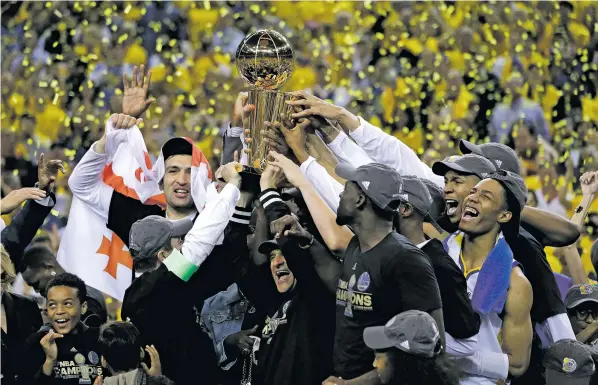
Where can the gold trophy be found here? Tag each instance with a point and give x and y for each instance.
(265, 59)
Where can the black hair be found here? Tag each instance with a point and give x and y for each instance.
(510, 229)
(409, 369)
(37, 256)
(120, 345)
(69, 280)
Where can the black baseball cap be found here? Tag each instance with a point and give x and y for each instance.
(568, 362)
(177, 146)
(578, 294)
(151, 233)
(267, 247)
(381, 183)
(503, 156)
(469, 164)
(514, 184)
(413, 331)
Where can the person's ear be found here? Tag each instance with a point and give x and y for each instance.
(405, 210)
(161, 255)
(84, 307)
(504, 216)
(361, 201)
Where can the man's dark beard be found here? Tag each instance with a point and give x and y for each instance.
(343, 220)
(447, 225)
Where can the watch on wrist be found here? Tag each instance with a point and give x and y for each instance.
(308, 245)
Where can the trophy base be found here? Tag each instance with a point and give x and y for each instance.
(250, 179)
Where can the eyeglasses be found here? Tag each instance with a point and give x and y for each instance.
(583, 315)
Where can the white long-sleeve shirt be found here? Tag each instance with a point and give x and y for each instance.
(205, 234)
(86, 182)
(326, 186)
(388, 150)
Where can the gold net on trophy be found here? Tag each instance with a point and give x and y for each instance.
(266, 61)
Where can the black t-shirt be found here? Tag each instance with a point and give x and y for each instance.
(392, 277)
(461, 321)
(297, 336)
(78, 358)
(547, 296)
(125, 211)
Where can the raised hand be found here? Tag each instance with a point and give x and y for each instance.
(313, 105)
(47, 172)
(124, 121)
(16, 197)
(295, 136)
(272, 177)
(238, 109)
(589, 182)
(273, 137)
(48, 343)
(156, 365)
(135, 100)
(290, 227)
(291, 170)
(229, 173)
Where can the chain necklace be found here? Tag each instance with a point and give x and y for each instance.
(247, 366)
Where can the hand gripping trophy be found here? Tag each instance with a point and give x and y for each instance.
(266, 61)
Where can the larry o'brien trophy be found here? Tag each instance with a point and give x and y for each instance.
(266, 61)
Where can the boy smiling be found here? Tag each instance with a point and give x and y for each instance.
(65, 350)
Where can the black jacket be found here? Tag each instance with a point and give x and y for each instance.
(23, 318)
(167, 310)
(18, 234)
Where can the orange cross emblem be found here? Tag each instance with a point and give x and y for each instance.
(116, 255)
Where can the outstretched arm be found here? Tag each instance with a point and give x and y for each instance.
(517, 330)
(377, 144)
(555, 230)
(336, 237)
(86, 180)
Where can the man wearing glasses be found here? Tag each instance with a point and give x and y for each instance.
(582, 306)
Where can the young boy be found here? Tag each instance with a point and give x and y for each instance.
(121, 354)
(65, 351)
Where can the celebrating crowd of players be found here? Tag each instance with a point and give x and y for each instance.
(352, 252)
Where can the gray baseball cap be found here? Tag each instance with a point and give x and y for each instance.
(418, 195)
(503, 156)
(578, 294)
(469, 164)
(568, 362)
(514, 184)
(438, 203)
(382, 184)
(151, 233)
(412, 331)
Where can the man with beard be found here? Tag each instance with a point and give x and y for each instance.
(187, 273)
(383, 272)
(499, 291)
